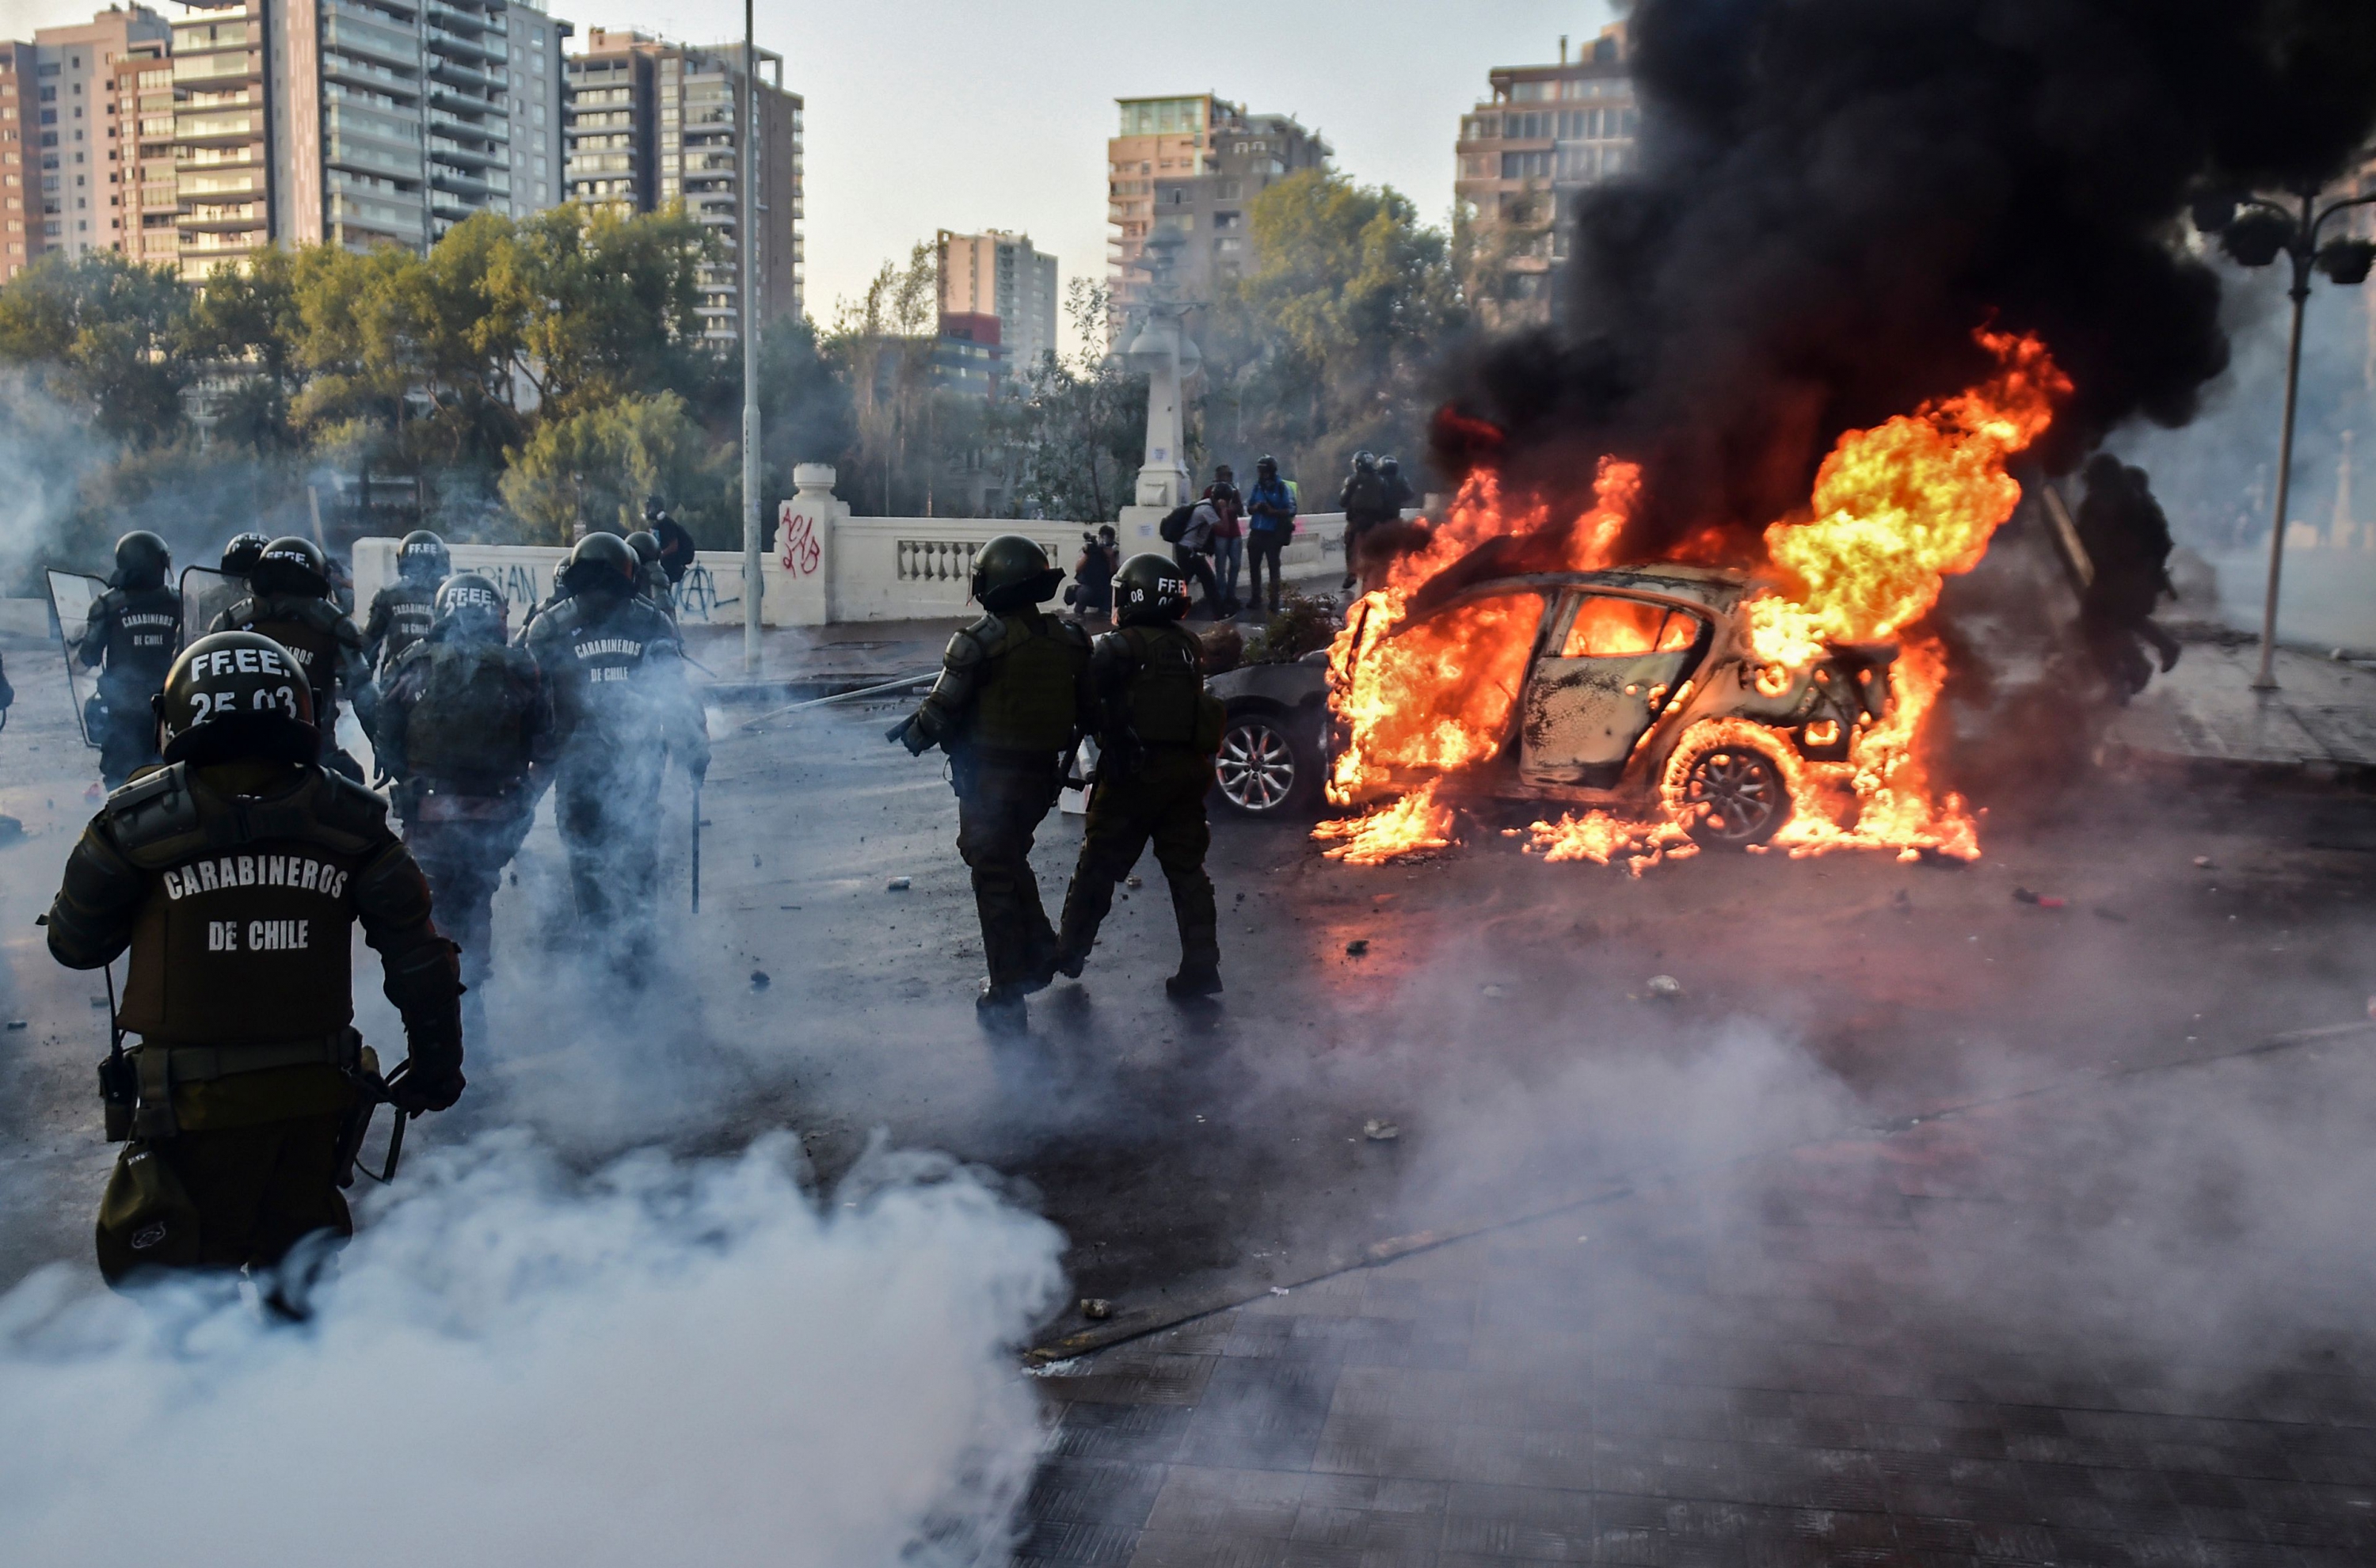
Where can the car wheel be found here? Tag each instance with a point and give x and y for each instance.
(1734, 796)
(1264, 769)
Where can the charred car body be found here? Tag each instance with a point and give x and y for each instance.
(1637, 690)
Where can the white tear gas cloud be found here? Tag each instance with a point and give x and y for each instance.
(46, 454)
(666, 1363)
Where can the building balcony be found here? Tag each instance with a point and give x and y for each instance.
(404, 86)
(485, 80)
(227, 218)
(342, 31)
(467, 19)
(471, 52)
(454, 99)
(190, 70)
(490, 129)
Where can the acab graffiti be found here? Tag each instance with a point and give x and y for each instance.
(802, 551)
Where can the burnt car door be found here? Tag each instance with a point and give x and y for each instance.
(1609, 669)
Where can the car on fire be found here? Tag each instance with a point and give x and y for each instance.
(1636, 690)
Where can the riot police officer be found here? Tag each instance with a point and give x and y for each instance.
(460, 721)
(1158, 730)
(235, 874)
(651, 580)
(402, 611)
(620, 708)
(206, 597)
(1005, 710)
(130, 638)
(291, 605)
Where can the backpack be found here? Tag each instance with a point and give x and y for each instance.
(1176, 523)
(1366, 493)
(466, 718)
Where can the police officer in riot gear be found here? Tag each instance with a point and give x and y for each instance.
(651, 580)
(235, 874)
(239, 556)
(1158, 730)
(402, 611)
(291, 605)
(460, 719)
(614, 670)
(1005, 710)
(130, 639)
(213, 596)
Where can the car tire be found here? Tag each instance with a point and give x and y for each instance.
(1734, 796)
(1267, 768)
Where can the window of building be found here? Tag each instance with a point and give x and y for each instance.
(1525, 166)
(1529, 92)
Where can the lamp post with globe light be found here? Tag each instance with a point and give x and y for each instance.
(2255, 231)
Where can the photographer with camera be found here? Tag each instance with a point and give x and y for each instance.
(1091, 592)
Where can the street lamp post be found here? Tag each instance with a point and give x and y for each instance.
(2255, 231)
(746, 164)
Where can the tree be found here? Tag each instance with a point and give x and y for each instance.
(884, 342)
(101, 335)
(606, 305)
(1074, 428)
(1328, 344)
(592, 469)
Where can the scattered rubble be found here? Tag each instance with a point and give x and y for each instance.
(2043, 900)
(1665, 988)
(1133, 882)
(2203, 862)
(1356, 948)
(759, 980)
(20, 1023)
(898, 884)
(1097, 1309)
(1380, 1131)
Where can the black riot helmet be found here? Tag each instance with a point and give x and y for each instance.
(1011, 572)
(239, 555)
(236, 696)
(654, 509)
(421, 557)
(472, 608)
(291, 565)
(1266, 466)
(1149, 590)
(1390, 466)
(647, 546)
(1363, 459)
(602, 563)
(141, 560)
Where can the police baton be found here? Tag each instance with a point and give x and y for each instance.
(372, 1091)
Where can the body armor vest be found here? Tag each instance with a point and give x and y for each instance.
(1028, 700)
(1163, 682)
(243, 936)
(403, 612)
(141, 632)
(593, 651)
(309, 629)
(469, 722)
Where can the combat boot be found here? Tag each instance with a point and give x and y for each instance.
(1195, 980)
(998, 1007)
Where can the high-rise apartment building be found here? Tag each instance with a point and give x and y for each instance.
(65, 150)
(1545, 134)
(356, 122)
(152, 206)
(999, 274)
(1190, 167)
(654, 122)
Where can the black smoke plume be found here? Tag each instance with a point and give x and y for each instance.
(1835, 193)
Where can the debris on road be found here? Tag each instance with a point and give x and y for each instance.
(1496, 991)
(1279, 1289)
(20, 1023)
(2202, 861)
(1097, 1309)
(1356, 948)
(1133, 882)
(759, 980)
(2043, 900)
(898, 884)
(1380, 1131)
(1665, 987)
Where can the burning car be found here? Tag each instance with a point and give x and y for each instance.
(1636, 691)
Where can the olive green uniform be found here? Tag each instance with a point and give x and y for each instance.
(235, 886)
(1006, 709)
(1157, 732)
(329, 649)
(401, 614)
(130, 639)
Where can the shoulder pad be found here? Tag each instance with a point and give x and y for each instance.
(1074, 633)
(107, 604)
(975, 643)
(237, 618)
(153, 808)
(345, 808)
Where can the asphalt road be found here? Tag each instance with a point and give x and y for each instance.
(1500, 1017)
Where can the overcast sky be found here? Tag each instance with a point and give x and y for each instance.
(965, 114)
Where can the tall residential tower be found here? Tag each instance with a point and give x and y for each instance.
(999, 274)
(68, 171)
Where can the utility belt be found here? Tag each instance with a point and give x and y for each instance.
(968, 762)
(136, 1088)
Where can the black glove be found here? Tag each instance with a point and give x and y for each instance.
(432, 1080)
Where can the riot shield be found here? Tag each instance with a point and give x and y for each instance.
(71, 595)
(206, 593)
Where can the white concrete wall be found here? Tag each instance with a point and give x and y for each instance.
(824, 566)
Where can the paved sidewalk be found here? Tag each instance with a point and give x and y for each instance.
(2321, 718)
(1989, 1336)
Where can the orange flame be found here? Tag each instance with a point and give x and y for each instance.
(1895, 510)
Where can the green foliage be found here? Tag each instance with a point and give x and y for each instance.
(595, 468)
(101, 333)
(1328, 344)
(1304, 624)
(1075, 427)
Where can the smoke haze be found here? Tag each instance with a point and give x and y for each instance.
(666, 1362)
(1835, 193)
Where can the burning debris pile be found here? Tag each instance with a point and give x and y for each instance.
(1876, 256)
